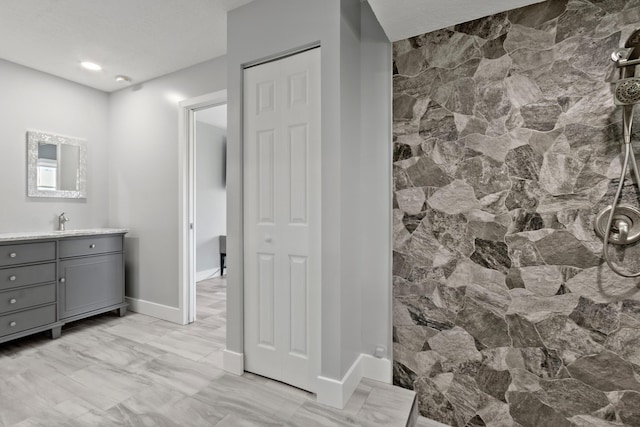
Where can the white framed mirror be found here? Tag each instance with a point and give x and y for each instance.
(56, 165)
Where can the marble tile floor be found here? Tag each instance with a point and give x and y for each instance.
(141, 371)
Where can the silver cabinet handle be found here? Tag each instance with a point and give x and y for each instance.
(13, 301)
(92, 246)
(62, 280)
(12, 324)
(13, 255)
(12, 278)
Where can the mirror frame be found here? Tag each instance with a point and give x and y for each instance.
(35, 137)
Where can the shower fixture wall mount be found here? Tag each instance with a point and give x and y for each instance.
(620, 225)
(625, 227)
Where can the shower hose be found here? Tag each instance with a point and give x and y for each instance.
(629, 157)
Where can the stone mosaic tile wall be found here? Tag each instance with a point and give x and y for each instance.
(506, 145)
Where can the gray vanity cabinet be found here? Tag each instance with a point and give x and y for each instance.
(91, 277)
(28, 289)
(47, 281)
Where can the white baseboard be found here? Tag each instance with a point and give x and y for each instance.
(233, 362)
(336, 393)
(164, 312)
(206, 274)
(376, 369)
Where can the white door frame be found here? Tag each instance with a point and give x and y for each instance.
(186, 235)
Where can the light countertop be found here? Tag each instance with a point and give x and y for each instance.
(37, 235)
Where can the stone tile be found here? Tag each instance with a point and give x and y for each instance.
(493, 255)
(601, 285)
(485, 175)
(484, 325)
(563, 334)
(626, 343)
(425, 173)
(521, 149)
(458, 197)
(536, 309)
(456, 345)
(604, 318)
(543, 280)
(627, 408)
(432, 403)
(403, 376)
(522, 332)
(605, 371)
(529, 411)
(493, 382)
(572, 397)
(562, 248)
(424, 312)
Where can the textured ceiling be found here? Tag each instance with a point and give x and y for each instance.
(407, 18)
(144, 39)
(138, 38)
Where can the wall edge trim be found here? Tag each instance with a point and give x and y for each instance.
(159, 311)
(336, 393)
(233, 362)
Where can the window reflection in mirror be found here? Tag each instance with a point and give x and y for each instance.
(47, 166)
(57, 165)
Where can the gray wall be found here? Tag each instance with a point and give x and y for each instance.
(143, 173)
(265, 29)
(375, 184)
(34, 100)
(211, 195)
(506, 146)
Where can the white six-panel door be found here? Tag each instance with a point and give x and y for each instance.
(282, 218)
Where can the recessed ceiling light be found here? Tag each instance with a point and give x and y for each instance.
(123, 79)
(91, 66)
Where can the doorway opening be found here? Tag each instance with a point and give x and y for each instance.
(210, 226)
(202, 124)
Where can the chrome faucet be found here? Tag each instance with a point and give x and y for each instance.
(62, 219)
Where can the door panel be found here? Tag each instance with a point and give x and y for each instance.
(282, 218)
(299, 309)
(266, 288)
(266, 178)
(298, 175)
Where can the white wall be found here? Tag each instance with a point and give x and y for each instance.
(266, 29)
(262, 30)
(34, 100)
(211, 197)
(350, 169)
(143, 174)
(375, 183)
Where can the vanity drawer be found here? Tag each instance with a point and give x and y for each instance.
(30, 275)
(26, 253)
(19, 299)
(27, 319)
(90, 246)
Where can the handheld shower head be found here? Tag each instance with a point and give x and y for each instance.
(627, 94)
(627, 91)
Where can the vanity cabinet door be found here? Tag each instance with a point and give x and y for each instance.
(88, 284)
